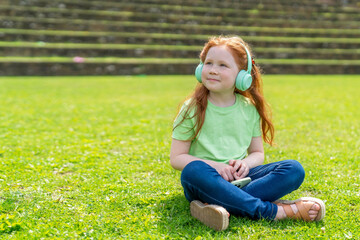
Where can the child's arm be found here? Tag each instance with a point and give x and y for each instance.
(255, 158)
(180, 157)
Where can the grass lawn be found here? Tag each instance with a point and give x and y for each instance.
(88, 157)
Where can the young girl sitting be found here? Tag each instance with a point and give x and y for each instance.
(218, 138)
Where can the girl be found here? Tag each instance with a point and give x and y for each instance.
(218, 138)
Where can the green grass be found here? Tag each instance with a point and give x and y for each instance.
(204, 37)
(110, 46)
(87, 157)
(116, 60)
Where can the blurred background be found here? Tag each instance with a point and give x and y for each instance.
(145, 37)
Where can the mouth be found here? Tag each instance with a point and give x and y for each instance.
(213, 80)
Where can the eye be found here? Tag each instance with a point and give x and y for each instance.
(207, 63)
(223, 65)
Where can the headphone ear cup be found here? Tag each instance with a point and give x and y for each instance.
(243, 80)
(198, 72)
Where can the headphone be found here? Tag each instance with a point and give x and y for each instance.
(243, 79)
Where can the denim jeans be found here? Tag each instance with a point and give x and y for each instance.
(269, 183)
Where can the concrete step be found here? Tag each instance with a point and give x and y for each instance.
(63, 69)
(169, 39)
(159, 51)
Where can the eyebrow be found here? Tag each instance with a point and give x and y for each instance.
(221, 61)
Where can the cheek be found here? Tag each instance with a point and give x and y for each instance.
(205, 71)
(234, 75)
(232, 78)
(205, 68)
(230, 75)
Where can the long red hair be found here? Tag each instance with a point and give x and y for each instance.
(199, 99)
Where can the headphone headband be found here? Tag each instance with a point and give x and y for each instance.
(248, 59)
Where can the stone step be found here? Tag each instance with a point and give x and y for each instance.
(277, 4)
(91, 37)
(140, 26)
(65, 69)
(159, 51)
(169, 39)
(134, 10)
(64, 20)
(299, 11)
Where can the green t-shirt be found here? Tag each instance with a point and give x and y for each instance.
(226, 133)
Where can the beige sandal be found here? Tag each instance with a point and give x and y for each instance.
(213, 216)
(303, 205)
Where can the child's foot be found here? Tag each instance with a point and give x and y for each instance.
(307, 209)
(213, 216)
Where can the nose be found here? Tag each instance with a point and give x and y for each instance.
(213, 70)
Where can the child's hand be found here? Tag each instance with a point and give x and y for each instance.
(226, 171)
(241, 168)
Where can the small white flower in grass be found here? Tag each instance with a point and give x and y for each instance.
(348, 235)
(107, 198)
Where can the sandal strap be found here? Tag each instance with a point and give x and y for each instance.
(303, 210)
(288, 211)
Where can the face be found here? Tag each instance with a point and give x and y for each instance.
(219, 70)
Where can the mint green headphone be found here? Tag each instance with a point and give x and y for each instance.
(243, 79)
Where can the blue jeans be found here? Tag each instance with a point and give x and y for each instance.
(269, 183)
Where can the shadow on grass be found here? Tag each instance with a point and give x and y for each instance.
(175, 221)
(174, 214)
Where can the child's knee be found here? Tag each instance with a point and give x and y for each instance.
(296, 171)
(192, 169)
(298, 168)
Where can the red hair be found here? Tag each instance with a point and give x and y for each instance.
(198, 100)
